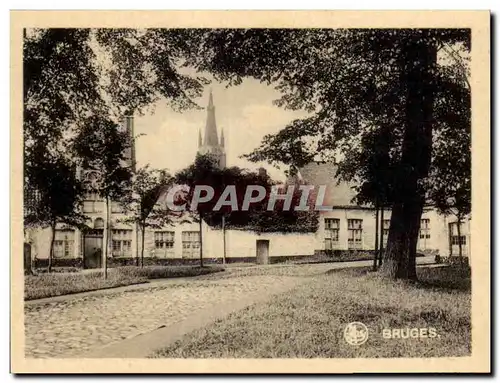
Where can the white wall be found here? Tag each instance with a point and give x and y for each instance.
(239, 243)
(242, 244)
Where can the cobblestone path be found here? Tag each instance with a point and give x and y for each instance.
(73, 327)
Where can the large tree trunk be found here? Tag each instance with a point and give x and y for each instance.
(401, 250)
(51, 250)
(418, 65)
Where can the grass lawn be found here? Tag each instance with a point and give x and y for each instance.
(54, 284)
(309, 321)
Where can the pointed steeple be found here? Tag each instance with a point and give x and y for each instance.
(211, 138)
(211, 144)
(200, 143)
(210, 99)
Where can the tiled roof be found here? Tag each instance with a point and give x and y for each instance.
(337, 194)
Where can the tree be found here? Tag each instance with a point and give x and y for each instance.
(372, 170)
(101, 147)
(449, 184)
(53, 196)
(204, 172)
(350, 81)
(257, 216)
(76, 78)
(142, 201)
(72, 75)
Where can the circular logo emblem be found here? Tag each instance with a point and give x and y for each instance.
(356, 333)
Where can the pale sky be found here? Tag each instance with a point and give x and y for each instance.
(245, 112)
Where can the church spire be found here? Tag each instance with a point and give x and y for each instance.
(211, 144)
(222, 137)
(210, 100)
(211, 138)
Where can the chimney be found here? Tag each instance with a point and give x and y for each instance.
(262, 172)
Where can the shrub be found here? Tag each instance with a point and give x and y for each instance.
(47, 285)
(59, 270)
(55, 284)
(327, 256)
(158, 272)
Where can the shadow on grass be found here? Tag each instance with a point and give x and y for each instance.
(355, 271)
(448, 278)
(445, 278)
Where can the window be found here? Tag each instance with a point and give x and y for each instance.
(355, 233)
(454, 238)
(92, 203)
(190, 244)
(425, 232)
(121, 242)
(64, 241)
(331, 233)
(164, 239)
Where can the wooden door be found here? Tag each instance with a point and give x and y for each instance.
(263, 251)
(92, 249)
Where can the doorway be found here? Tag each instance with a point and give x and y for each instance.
(92, 249)
(262, 251)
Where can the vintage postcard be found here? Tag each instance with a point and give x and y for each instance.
(250, 191)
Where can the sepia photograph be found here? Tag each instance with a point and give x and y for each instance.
(274, 192)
